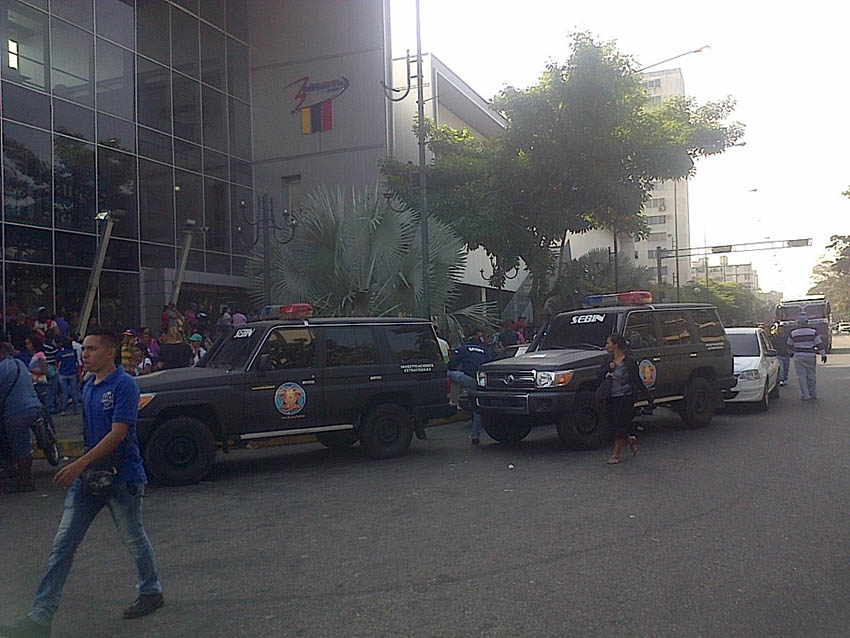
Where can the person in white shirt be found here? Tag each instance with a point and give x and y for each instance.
(196, 341)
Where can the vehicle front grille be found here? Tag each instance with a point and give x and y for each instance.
(510, 380)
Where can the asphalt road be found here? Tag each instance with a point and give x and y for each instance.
(740, 529)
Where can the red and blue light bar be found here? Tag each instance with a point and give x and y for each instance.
(634, 298)
(287, 311)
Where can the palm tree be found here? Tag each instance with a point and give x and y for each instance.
(355, 255)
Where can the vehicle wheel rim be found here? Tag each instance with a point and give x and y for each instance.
(585, 421)
(388, 431)
(701, 402)
(180, 451)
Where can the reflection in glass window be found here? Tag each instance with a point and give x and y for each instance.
(187, 155)
(71, 284)
(217, 218)
(187, 108)
(240, 129)
(74, 197)
(28, 244)
(290, 348)
(218, 263)
(241, 214)
(350, 346)
(238, 70)
(215, 164)
(188, 193)
(28, 288)
(641, 331)
(154, 145)
(77, 11)
(74, 120)
(212, 56)
(24, 30)
(115, 75)
(156, 202)
(240, 172)
(116, 187)
(237, 19)
(122, 255)
(413, 344)
(115, 20)
(674, 328)
(119, 299)
(74, 249)
(157, 256)
(116, 133)
(154, 86)
(191, 5)
(708, 326)
(215, 119)
(26, 106)
(72, 75)
(27, 184)
(184, 43)
(153, 29)
(213, 11)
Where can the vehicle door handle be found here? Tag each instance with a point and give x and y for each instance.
(376, 377)
(694, 354)
(308, 382)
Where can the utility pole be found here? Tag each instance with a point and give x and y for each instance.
(188, 234)
(423, 194)
(110, 217)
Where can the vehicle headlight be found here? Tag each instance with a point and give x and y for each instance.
(546, 379)
(481, 379)
(145, 398)
(750, 375)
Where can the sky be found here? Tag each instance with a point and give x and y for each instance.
(787, 69)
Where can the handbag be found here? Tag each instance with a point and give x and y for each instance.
(99, 478)
(603, 391)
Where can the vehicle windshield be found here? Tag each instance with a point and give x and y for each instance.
(812, 310)
(585, 331)
(236, 349)
(744, 345)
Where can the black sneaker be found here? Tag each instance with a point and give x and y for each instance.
(143, 606)
(26, 628)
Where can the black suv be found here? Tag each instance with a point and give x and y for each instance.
(378, 381)
(682, 353)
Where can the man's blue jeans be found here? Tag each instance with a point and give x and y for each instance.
(466, 381)
(125, 504)
(784, 367)
(70, 390)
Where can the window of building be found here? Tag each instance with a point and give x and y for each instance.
(657, 237)
(237, 18)
(651, 254)
(27, 187)
(122, 255)
(116, 187)
(213, 57)
(116, 20)
(77, 11)
(154, 145)
(23, 105)
(157, 256)
(152, 24)
(641, 330)
(156, 202)
(29, 287)
(28, 244)
(653, 84)
(238, 70)
(119, 298)
(74, 249)
(708, 326)
(71, 119)
(240, 128)
(187, 108)
(115, 133)
(240, 172)
(217, 215)
(215, 164)
(191, 5)
(241, 216)
(154, 86)
(189, 202)
(292, 192)
(74, 195)
(350, 346)
(72, 73)
(218, 263)
(655, 100)
(674, 328)
(213, 11)
(214, 119)
(656, 220)
(24, 45)
(185, 38)
(413, 344)
(657, 202)
(71, 284)
(187, 155)
(116, 80)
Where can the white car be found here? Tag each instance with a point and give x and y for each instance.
(756, 367)
(844, 327)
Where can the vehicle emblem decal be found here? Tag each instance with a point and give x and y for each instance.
(648, 372)
(509, 379)
(290, 399)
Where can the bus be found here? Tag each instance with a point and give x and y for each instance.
(815, 307)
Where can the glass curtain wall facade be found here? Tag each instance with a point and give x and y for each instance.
(141, 106)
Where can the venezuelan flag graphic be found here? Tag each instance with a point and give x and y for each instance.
(317, 118)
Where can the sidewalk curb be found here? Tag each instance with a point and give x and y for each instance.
(73, 448)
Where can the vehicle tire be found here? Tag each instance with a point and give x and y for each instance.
(501, 430)
(337, 440)
(764, 404)
(386, 431)
(699, 404)
(774, 394)
(585, 426)
(180, 452)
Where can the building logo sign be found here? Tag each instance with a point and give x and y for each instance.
(314, 101)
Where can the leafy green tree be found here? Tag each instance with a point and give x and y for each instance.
(593, 274)
(831, 276)
(356, 256)
(736, 304)
(581, 150)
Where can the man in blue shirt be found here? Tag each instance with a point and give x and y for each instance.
(463, 366)
(20, 409)
(110, 407)
(67, 360)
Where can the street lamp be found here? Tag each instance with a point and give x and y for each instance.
(189, 228)
(675, 57)
(109, 217)
(267, 229)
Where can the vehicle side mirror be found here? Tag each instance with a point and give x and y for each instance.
(771, 353)
(265, 363)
